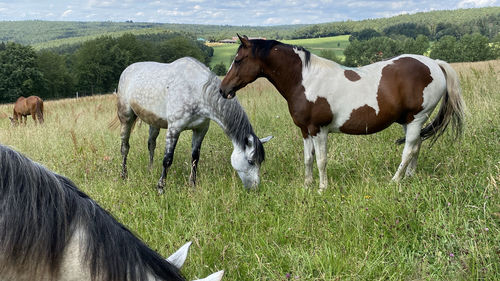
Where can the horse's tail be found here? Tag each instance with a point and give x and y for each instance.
(452, 108)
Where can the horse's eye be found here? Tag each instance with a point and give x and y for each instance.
(251, 162)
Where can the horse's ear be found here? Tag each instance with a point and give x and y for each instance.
(266, 139)
(213, 277)
(244, 40)
(178, 258)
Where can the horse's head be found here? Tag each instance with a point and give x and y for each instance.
(246, 67)
(246, 161)
(13, 121)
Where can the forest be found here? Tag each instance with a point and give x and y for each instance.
(59, 59)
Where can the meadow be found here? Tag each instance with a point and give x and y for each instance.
(441, 224)
(225, 52)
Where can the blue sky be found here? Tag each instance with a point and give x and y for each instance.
(222, 12)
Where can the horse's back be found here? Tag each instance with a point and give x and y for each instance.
(155, 91)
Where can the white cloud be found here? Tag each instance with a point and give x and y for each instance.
(272, 21)
(139, 14)
(66, 13)
(476, 3)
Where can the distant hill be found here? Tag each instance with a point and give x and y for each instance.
(48, 34)
(483, 20)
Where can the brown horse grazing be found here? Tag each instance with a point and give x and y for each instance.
(325, 97)
(23, 107)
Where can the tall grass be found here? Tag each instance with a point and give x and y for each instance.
(443, 223)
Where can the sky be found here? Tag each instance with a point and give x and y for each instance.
(224, 12)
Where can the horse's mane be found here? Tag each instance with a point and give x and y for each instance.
(262, 48)
(39, 213)
(236, 120)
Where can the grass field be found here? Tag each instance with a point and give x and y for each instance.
(442, 225)
(225, 52)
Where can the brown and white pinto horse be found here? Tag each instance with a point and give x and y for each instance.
(325, 97)
(23, 107)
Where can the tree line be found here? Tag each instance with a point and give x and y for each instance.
(90, 68)
(364, 49)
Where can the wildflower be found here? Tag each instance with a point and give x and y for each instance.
(452, 255)
(288, 276)
(367, 197)
(486, 229)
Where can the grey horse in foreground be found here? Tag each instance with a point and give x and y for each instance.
(50, 230)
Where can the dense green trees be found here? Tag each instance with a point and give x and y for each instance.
(57, 80)
(94, 67)
(19, 74)
(475, 47)
(379, 48)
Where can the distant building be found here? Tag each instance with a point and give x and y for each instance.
(229, 41)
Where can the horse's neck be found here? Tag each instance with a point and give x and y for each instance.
(286, 69)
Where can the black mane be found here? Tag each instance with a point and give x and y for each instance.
(39, 213)
(262, 48)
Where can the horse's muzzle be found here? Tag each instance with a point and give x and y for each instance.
(227, 95)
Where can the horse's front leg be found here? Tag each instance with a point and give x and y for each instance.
(198, 136)
(308, 160)
(321, 147)
(171, 142)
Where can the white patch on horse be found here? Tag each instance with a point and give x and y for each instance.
(438, 84)
(325, 78)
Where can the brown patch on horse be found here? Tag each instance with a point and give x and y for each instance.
(400, 96)
(351, 75)
(310, 116)
(287, 78)
(148, 116)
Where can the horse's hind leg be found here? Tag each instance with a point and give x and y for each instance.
(412, 166)
(198, 135)
(33, 115)
(410, 151)
(153, 134)
(172, 137)
(127, 120)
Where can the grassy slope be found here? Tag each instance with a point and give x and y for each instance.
(225, 52)
(444, 224)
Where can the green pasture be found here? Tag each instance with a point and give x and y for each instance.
(225, 52)
(441, 224)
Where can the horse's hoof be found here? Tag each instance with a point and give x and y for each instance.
(160, 190)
